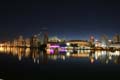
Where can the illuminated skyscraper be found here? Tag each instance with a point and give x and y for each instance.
(27, 42)
(92, 39)
(104, 41)
(15, 42)
(20, 41)
(45, 38)
(34, 41)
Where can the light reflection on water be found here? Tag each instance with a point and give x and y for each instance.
(93, 57)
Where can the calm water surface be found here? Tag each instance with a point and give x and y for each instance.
(20, 63)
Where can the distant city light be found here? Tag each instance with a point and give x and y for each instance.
(67, 44)
(54, 46)
(68, 53)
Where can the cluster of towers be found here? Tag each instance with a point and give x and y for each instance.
(34, 41)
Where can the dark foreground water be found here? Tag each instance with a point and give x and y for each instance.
(36, 65)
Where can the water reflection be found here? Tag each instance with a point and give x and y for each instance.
(94, 57)
(107, 57)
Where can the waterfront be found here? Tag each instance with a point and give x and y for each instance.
(21, 63)
(38, 56)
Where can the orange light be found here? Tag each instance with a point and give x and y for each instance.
(92, 60)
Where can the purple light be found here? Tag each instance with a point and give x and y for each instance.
(55, 46)
(51, 52)
(61, 50)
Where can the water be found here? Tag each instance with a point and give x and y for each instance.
(20, 63)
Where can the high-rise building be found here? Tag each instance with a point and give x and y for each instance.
(20, 41)
(92, 39)
(34, 41)
(27, 42)
(104, 41)
(116, 38)
(45, 38)
(15, 42)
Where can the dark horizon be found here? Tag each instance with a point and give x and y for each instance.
(70, 19)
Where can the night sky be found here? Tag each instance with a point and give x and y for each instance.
(69, 19)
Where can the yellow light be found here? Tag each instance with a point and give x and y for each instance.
(1, 49)
(8, 49)
(92, 60)
(68, 53)
(67, 44)
(19, 57)
(27, 52)
(14, 50)
(1, 45)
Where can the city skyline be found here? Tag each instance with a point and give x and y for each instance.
(59, 39)
(80, 37)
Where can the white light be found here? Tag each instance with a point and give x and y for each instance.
(38, 61)
(96, 40)
(110, 57)
(96, 57)
(67, 44)
(63, 57)
(117, 52)
(34, 60)
(68, 53)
